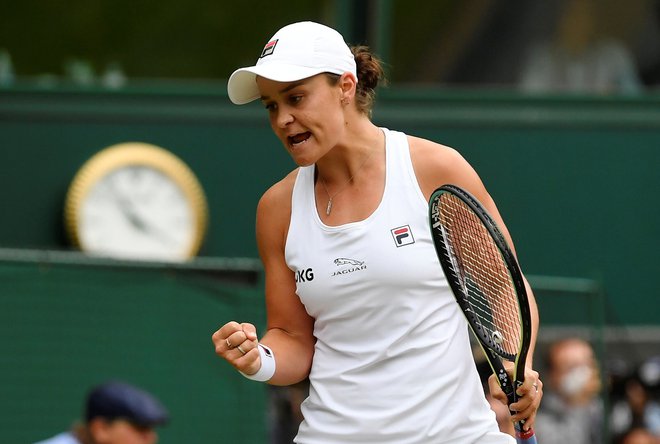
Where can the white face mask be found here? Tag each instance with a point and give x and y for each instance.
(575, 380)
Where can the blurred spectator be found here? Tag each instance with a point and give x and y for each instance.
(116, 413)
(6, 68)
(638, 436)
(284, 411)
(80, 72)
(113, 77)
(571, 411)
(579, 59)
(639, 408)
(651, 73)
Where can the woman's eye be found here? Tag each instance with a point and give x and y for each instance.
(270, 106)
(295, 99)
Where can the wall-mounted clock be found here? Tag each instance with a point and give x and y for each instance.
(136, 201)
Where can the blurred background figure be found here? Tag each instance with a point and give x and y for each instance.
(650, 73)
(571, 411)
(116, 413)
(6, 68)
(638, 436)
(581, 58)
(284, 414)
(636, 411)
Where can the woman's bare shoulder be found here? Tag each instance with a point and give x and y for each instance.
(279, 194)
(436, 164)
(430, 151)
(274, 213)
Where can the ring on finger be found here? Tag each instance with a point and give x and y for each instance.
(536, 387)
(241, 350)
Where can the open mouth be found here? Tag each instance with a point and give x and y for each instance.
(299, 139)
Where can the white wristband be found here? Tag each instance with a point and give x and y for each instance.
(267, 369)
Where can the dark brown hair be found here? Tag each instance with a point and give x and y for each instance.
(369, 73)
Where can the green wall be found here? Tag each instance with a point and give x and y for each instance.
(68, 323)
(575, 177)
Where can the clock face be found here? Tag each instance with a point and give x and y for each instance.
(136, 201)
(137, 212)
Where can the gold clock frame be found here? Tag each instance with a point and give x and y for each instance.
(132, 154)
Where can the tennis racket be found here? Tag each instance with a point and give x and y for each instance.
(487, 282)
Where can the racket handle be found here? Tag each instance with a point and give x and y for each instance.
(525, 436)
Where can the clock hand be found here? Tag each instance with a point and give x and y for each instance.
(130, 214)
(163, 235)
(127, 207)
(128, 210)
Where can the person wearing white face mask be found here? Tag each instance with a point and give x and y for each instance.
(572, 409)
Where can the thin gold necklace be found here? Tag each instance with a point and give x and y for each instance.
(328, 207)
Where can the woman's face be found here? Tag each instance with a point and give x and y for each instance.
(306, 115)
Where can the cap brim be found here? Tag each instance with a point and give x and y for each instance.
(242, 85)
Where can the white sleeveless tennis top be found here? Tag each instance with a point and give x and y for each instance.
(392, 361)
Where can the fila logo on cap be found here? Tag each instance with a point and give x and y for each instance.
(269, 48)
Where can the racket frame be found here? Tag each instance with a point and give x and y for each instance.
(494, 353)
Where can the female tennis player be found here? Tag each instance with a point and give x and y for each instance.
(356, 299)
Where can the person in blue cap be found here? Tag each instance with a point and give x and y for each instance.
(116, 413)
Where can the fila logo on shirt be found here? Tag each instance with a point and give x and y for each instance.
(402, 236)
(304, 275)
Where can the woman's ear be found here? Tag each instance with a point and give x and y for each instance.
(348, 85)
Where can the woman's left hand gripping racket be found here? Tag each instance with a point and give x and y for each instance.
(487, 282)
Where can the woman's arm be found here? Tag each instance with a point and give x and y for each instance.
(289, 333)
(436, 165)
(289, 328)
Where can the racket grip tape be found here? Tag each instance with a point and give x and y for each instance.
(525, 436)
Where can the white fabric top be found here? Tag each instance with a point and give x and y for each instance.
(392, 361)
(62, 438)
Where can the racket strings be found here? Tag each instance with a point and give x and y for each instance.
(479, 266)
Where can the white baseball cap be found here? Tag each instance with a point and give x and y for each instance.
(295, 52)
